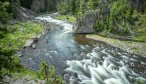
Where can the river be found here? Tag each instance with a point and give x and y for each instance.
(86, 61)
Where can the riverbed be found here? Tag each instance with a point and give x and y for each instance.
(85, 61)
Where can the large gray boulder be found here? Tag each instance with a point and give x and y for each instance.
(86, 23)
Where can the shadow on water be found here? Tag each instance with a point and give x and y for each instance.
(83, 60)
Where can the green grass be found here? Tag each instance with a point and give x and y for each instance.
(22, 32)
(135, 47)
(141, 38)
(71, 18)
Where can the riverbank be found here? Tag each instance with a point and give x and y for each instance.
(17, 35)
(20, 32)
(130, 46)
(23, 34)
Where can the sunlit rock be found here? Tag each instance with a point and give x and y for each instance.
(34, 46)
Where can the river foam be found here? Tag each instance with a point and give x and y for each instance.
(48, 18)
(96, 70)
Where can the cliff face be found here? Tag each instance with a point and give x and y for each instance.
(86, 23)
(19, 11)
(38, 5)
(24, 13)
(28, 8)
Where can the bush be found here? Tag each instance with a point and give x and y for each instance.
(62, 8)
(49, 74)
(117, 20)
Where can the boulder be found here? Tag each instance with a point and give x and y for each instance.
(86, 23)
(34, 46)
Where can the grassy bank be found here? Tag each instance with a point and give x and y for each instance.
(19, 34)
(14, 37)
(130, 46)
(69, 18)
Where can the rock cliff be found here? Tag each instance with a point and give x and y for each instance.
(24, 13)
(86, 23)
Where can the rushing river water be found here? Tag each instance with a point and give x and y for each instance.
(86, 61)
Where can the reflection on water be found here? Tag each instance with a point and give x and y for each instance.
(82, 60)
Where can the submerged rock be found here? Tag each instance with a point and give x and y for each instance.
(86, 23)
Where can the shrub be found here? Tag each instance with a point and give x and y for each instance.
(49, 74)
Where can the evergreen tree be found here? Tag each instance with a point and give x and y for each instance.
(4, 14)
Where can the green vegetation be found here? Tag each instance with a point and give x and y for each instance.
(115, 19)
(69, 18)
(18, 33)
(13, 37)
(139, 82)
(140, 27)
(76, 7)
(120, 17)
(49, 74)
(4, 14)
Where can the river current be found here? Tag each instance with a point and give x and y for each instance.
(83, 61)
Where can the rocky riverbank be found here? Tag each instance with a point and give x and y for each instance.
(125, 43)
(24, 80)
(87, 23)
(34, 39)
(129, 46)
(21, 31)
(28, 34)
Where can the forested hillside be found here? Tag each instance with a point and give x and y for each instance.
(118, 17)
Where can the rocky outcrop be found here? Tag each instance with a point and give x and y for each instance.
(23, 13)
(86, 23)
